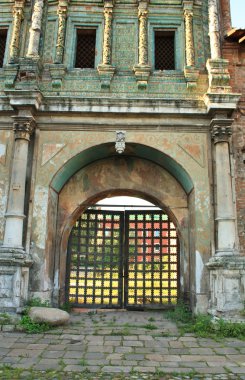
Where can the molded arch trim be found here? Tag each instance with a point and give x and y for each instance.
(102, 151)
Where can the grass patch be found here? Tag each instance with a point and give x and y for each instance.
(150, 326)
(32, 327)
(203, 325)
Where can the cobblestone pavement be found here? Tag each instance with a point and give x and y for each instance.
(119, 345)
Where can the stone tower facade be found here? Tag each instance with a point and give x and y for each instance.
(103, 98)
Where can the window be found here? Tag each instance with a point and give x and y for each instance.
(85, 52)
(3, 38)
(164, 50)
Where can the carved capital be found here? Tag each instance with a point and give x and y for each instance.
(23, 127)
(221, 130)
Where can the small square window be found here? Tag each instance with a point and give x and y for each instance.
(164, 50)
(3, 38)
(85, 51)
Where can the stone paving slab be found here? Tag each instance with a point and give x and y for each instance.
(108, 345)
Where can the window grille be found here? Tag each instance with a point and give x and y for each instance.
(3, 38)
(85, 53)
(164, 50)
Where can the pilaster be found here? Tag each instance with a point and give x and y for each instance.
(142, 69)
(105, 69)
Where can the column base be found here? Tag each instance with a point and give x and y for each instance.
(227, 284)
(106, 73)
(142, 74)
(14, 278)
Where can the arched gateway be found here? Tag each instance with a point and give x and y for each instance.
(122, 259)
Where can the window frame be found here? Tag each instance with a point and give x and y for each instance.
(174, 41)
(74, 23)
(179, 44)
(6, 52)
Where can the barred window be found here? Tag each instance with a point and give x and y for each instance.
(164, 50)
(3, 38)
(85, 51)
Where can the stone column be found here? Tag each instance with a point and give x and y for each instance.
(142, 69)
(105, 69)
(35, 29)
(226, 16)
(18, 9)
(191, 73)
(108, 12)
(189, 41)
(214, 29)
(143, 40)
(13, 236)
(225, 218)
(60, 43)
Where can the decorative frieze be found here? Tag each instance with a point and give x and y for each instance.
(35, 29)
(105, 69)
(60, 43)
(18, 10)
(142, 69)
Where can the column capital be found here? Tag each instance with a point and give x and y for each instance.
(23, 127)
(221, 130)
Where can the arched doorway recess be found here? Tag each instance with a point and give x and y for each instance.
(123, 257)
(118, 175)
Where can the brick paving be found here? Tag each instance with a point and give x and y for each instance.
(134, 344)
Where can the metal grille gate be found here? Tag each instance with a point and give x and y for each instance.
(123, 259)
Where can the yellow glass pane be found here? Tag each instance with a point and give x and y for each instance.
(80, 300)
(106, 292)
(114, 301)
(131, 284)
(131, 292)
(72, 299)
(72, 291)
(131, 275)
(81, 292)
(106, 284)
(106, 301)
(89, 292)
(98, 292)
(97, 300)
(148, 292)
(98, 283)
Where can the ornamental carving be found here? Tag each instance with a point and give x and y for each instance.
(35, 28)
(107, 36)
(60, 42)
(189, 43)
(214, 31)
(15, 38)
(23, 128)
(221, 133)
(120, 141)
(143, 43)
